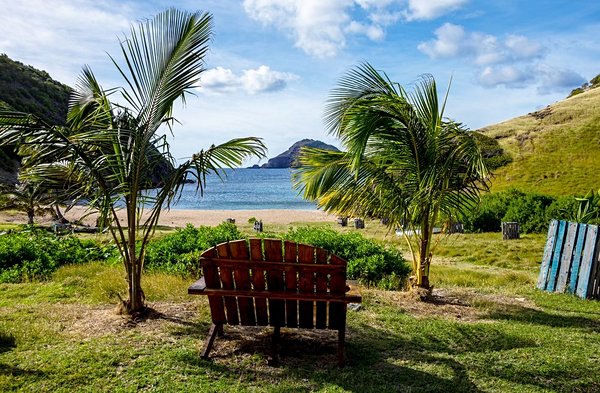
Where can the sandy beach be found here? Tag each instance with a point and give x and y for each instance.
(179, 218)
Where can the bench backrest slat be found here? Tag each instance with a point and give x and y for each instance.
(275, 266)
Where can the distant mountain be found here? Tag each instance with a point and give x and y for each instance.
(554, 150)
(289, 158)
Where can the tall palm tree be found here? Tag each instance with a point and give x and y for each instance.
(403, 161)
(108, 149)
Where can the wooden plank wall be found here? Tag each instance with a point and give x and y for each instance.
(571, 262)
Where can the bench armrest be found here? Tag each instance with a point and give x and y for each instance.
(352, 292)
(198, 287)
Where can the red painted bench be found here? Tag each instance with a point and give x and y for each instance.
(269, 282)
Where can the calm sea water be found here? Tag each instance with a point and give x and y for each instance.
(246, 189)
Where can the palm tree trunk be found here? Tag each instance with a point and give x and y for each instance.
(30, 216)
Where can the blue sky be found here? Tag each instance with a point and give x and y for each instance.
(273, 62)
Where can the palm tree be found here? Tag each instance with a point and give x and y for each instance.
(31, 198)
(403, 161)
(108, 149)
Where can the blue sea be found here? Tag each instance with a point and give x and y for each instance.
(245, 189)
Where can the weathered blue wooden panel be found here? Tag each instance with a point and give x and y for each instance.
(545, 267)
(590, 255)
(581, 232)
(566, 257)
(556, 258)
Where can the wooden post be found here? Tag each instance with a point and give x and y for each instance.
(230, 220)
(258, 226)
(510, 230)
(343, 221)
(359, 223)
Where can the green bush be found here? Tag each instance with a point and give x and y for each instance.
(563, 208)
(530, 212)
(178, 253)
(35, 255)
(368, 261)
(487, 216)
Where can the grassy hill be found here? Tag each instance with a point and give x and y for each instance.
(555, 150)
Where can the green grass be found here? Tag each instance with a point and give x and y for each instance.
(488, 330)
(555, 154)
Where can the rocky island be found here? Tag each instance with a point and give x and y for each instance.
(289, 158)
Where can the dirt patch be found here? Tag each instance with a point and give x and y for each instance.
(95, 321)
(463, 305)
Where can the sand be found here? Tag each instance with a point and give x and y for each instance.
(179, 218)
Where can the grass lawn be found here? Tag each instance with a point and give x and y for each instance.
(487, 330)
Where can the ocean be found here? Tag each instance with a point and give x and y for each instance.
(245, 189)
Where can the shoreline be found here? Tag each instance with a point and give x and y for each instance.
(181, 217)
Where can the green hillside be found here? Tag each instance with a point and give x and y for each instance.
(33, 91)
(555, 150)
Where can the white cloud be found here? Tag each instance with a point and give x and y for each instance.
(431, 9)
(262, 79)
(506, 75)
(484, 49)
(320, 27)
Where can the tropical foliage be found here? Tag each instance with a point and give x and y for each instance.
(110, 146)
(403, 161)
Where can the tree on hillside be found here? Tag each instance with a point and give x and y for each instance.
(403, 161)
(107, 151)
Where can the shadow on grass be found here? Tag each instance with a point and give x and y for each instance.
(7, 343)
(377, 360)
(517, 313)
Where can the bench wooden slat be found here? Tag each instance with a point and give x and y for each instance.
(310, 297)
(273, 252)
(291, 283)
(241, 277)
(306, 255)
(211, 276)
(233, 263)
(337, 286)
(226, 276)
(321, 288)
(258, 282)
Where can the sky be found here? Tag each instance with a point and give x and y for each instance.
(272, 63)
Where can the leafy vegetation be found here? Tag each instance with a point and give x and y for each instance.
(403, 162)
(178, 253)
(369, 262)
(554, 150)
(493, 154)
(108, 150)
(532, 211)
(35, 254)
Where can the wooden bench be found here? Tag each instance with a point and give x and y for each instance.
(269, 282)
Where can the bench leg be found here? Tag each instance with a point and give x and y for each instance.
(274, 360)
(210, 340)
(341, 339)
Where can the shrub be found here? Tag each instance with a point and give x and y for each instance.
(178, 253)
(488, 215)
(563, 208)
(368, 261)
(35, 255)
(530, 212)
